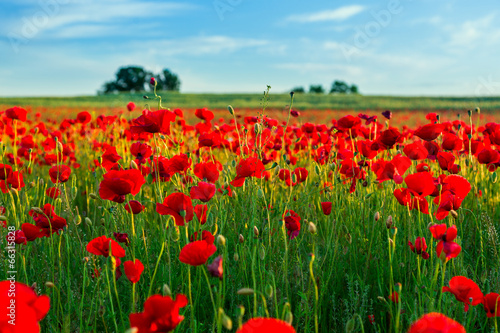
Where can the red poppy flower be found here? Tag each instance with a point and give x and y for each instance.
(109, 158)
(201, 212)
(133, 270)
(451, 142)
(31, 232)
(393, 169)
(416, 151)
(389, 137)
(367, 148)
(23, 306)
(117, 184)
(100, 246)
(420, 247)
(348, 122)
(436, 323)
(134, 207)
(197, 253)
(212, 139)
(14, 180)
(394, 297)
(177, 205)
(445, 160)
(203, 191)
(301, 174)
(49, 221)
(19, 237)
(292, 223)
(215, 268)
(16, 113)
(249, 167)
(204, 114)
(161, 314)
(121, 237)
(59, 173)
(53, 192)
(131, 106)
(179, 164)
(429, 132)
(491, 303)
(207, 172)
(266, 325)
(153, 122)
(465, 290)
(446, 248)
(420, 183)
(5, 171)
(326, 207)
(141, 151)
(83, 117)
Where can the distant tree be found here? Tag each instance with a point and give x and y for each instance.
(299, 90)
(316, 89)
(136, 78)
(340, 87)
(169, 81)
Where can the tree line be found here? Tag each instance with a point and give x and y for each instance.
(338, 87)
(136, 79)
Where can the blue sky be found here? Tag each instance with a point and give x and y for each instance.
(386, 47)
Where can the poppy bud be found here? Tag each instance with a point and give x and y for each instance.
(226, 322)
(311, 227)
(478, 110)
(454, 214)
(398, 287)
(49, 284)
(133, 165)
(132, 330)
(262, 252)
(41, 182)
(469, 112)
(245, 291)
(78, 219)
(269, 291)
(236, 256)
(3, 218)
(382, 299)
(241, 238)
(289, 317)
(221, 240)
(377, 216)
(350, 326)
(166, 290)
(230, 109)
(256, 231)
(60, 146)
(93, 196)
(388, 222)
(37, 210)
(13, 191)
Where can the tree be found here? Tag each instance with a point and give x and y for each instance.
(136, 78)
(169, 82)
(316, 89)
(340, 87)
(299, 90)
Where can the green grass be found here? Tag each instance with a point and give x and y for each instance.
(277, 101)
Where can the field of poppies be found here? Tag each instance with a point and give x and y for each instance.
(150, 219)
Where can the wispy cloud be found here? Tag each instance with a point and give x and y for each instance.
(339, 14)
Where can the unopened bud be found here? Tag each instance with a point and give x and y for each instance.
(398, 287)
(377, 216)
(241, 238)
(454, 214)
(166, 290)
(227, 322)
(388, 222)
(88, 221)
(133, 165)
(311, 227)
(236, 256)
(245, 291)
(256, 231)
(60, 146)
(37, 210)
(230, 109)
(350, 326)
(3, 218)
(269, 291)
(49, 284)
(93, 196)
(132, 330)
(221, 240)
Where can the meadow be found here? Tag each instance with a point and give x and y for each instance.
(283, 214)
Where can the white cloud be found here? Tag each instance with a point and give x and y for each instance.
(339, 14)
(474, 32)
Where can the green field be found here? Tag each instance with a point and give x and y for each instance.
(277, 101)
